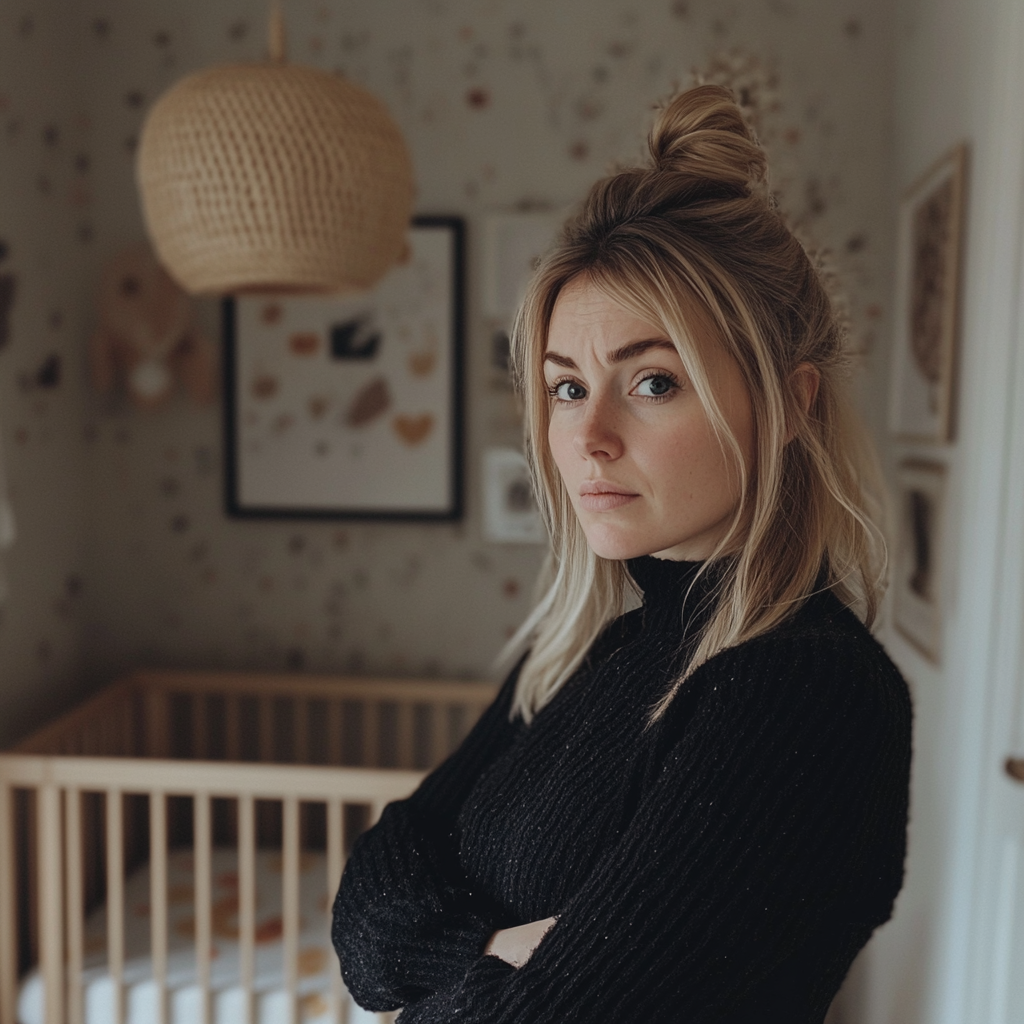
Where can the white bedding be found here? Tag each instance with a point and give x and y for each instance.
(317, 962)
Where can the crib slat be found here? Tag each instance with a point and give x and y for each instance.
(290, 903)
(51, 911)
(115, 898)
(233, 736)
(127, 729)
(334, 732)
(157, 723)
(406, 733)
(31, 878)
(300, 725)
(158, 898)
(73, 863)
(200, 727)
(431, 745)
(266, 729)
(202, 856)
(371, 739)
(247, 900)
(334, 866)
(8, 915)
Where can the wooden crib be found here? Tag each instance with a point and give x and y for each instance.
(201, 761)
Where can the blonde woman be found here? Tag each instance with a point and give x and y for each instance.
(694, 810)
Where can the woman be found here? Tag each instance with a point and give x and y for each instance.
(695, 810)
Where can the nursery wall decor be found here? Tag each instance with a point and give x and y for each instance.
(928, 281)
(274, 176)
(512, 245)
(350, 406)
(917, 611)
(147, 340)
(511, 515)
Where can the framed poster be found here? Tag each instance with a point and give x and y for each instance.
(350, 406)
(928, 284)
(917, 608)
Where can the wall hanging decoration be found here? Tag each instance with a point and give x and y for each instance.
(511, 515)
(350, 406)
(511, 246)
(917, 611)
(274, 177)
(928, 283)
(147, 342)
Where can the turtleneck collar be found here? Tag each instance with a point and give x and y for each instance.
(666, 585)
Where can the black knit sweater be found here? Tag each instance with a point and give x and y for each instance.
(724, 865)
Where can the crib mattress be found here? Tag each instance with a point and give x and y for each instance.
(317, 962)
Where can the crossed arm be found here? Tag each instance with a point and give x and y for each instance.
(736, 856)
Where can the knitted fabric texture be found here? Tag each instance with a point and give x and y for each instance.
(723, 865)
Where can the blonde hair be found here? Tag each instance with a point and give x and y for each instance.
(693, 243)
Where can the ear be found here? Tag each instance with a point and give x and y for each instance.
(804, 381)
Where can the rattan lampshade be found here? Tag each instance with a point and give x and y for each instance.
(274, 177)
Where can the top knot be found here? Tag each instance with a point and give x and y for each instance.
(701, 133)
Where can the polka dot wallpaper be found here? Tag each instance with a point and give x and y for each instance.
(125, 555)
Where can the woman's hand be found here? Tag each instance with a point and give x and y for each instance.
(516, 945)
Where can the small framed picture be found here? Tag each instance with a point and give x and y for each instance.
(917, 606)
(931, 228)
(513, 244)
(510, 512)
(350, 406)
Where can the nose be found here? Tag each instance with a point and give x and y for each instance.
(597, 435)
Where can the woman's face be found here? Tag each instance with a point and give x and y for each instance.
(644, 469)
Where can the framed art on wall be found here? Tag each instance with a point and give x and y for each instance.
(917, 611)
(928, 282)
(511, 515)
(350, 406)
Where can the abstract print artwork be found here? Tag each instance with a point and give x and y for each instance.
(511, 515)
(917, 610)
(350, 406)
(925, 337)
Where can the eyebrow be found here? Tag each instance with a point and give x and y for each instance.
(619, 355)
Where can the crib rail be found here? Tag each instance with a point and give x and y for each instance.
(59, 785)
(245, 716)
(162, 759)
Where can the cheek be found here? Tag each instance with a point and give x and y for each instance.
(683, 456)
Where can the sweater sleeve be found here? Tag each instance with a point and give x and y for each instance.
(780, 807)
(406, 920)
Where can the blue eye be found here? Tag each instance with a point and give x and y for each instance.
(569, 391)
(656, 386)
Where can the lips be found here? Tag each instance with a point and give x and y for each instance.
(601, 496)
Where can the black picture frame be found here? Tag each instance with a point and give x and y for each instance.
(344, 342)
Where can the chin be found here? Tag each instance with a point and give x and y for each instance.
(617, 546)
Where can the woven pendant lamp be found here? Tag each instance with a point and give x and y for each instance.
(274, 177)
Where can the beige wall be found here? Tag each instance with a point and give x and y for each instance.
(42, 217)
(503, 104)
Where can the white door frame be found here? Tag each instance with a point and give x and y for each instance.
(976, 933)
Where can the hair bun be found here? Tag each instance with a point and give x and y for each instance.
(701, 133)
